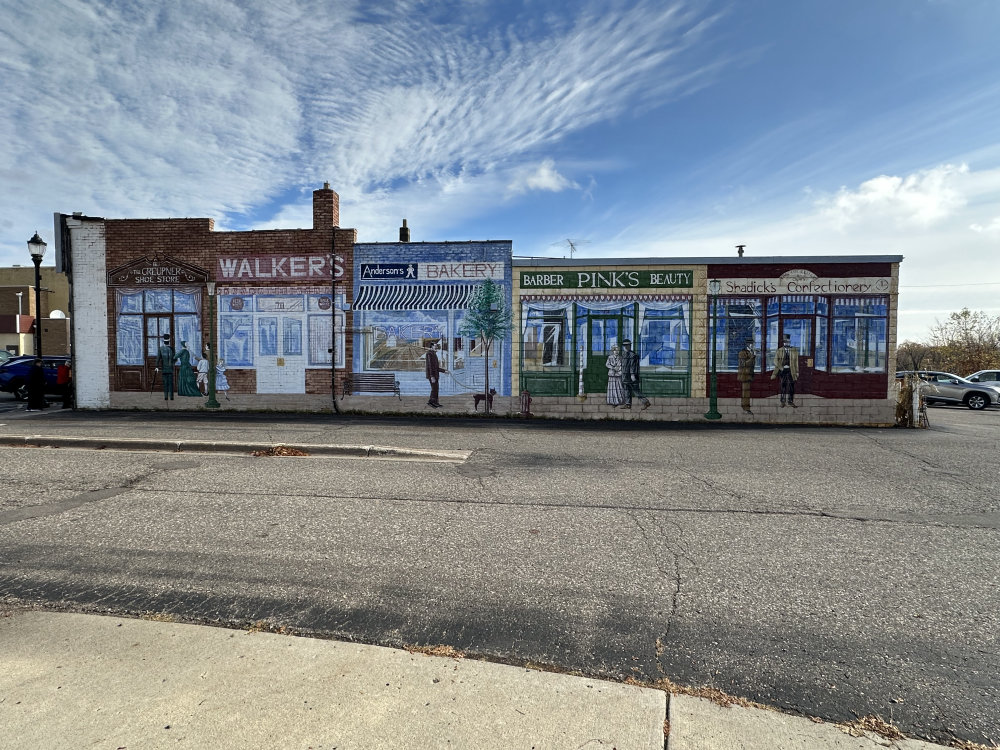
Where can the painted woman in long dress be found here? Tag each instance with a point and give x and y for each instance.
(616, 392)
(187, 381)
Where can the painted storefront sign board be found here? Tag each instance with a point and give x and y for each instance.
(800, 281)
(156, 271)
(442, 271)
(607, 279)
(278, 267)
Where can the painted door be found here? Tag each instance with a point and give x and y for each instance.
(281, 362)
(603, 332)
(157, 326)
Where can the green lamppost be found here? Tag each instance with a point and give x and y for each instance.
(36, 246)
(212, 403)
(713, 394)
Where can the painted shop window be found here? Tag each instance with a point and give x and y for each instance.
(320, 340)
(267, 336)
(859, 334)
(840, 334)
(146, 316)
(738, 319)
(664, 337)
(546, 337)
(236, 340)
(291, 337)
(397, 341)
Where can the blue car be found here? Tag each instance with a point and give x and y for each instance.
(14, 374)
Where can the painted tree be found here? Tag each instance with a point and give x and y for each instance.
(487, 318)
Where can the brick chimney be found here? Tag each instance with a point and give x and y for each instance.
(326, 208)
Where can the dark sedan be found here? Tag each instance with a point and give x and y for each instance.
(14, 374)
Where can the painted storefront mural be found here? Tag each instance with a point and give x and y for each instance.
(832, 341)
(269, 336)
(574, 325)
(410, 300)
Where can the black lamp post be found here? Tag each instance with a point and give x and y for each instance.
(36, 246)
(213, 402)
(714, 287)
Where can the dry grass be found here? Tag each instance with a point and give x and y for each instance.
(280, 450)
(715, 695)
(448, 651)
(872, 725)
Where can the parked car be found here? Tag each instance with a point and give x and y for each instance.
(14, 374)
(985, 377)
(946, 388)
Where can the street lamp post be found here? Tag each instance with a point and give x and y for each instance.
(19, 295)
(36, 246)
(713, 394)
(212, 402)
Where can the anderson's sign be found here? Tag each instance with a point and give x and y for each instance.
(608, 279)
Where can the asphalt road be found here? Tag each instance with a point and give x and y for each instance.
(834, 572)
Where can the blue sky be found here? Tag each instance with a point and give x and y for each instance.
(636, 127)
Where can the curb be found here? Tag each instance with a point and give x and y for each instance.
(218, 446)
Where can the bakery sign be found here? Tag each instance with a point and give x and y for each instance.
(156, 271)
(800, 281)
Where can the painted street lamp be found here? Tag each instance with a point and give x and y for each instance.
(714, 286)
(36, 246)
(212, 402)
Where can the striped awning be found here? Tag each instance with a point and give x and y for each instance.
(413, 296)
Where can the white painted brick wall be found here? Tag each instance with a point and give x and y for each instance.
(90, 313)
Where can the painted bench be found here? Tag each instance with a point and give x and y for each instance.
(371, 382)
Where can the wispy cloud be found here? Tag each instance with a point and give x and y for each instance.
(194, 108)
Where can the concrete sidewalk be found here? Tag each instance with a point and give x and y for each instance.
(74, 681)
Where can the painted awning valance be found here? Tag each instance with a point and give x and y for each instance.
(583, 299)
(413, 296)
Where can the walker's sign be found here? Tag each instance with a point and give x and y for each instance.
(277, 267)
(607, 279)
(800, 281)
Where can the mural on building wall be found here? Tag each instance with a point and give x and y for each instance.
(280, 333)
(822, 336)
(156, 300)
(568, 339)
(410, 301)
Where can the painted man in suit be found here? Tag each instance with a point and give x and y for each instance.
(746, 362)
(786, 369)
(630, 376)
(165, 359)
(433, 372)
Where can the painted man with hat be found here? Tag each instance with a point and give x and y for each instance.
(630, 376)
(786, 369)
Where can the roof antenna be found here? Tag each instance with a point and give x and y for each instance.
(572, 245)
(739, 249)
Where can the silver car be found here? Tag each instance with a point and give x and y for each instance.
(946, 388)
(985, 377)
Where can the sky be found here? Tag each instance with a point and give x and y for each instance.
(629, 128)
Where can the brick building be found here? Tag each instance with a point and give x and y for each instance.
(276, 296)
